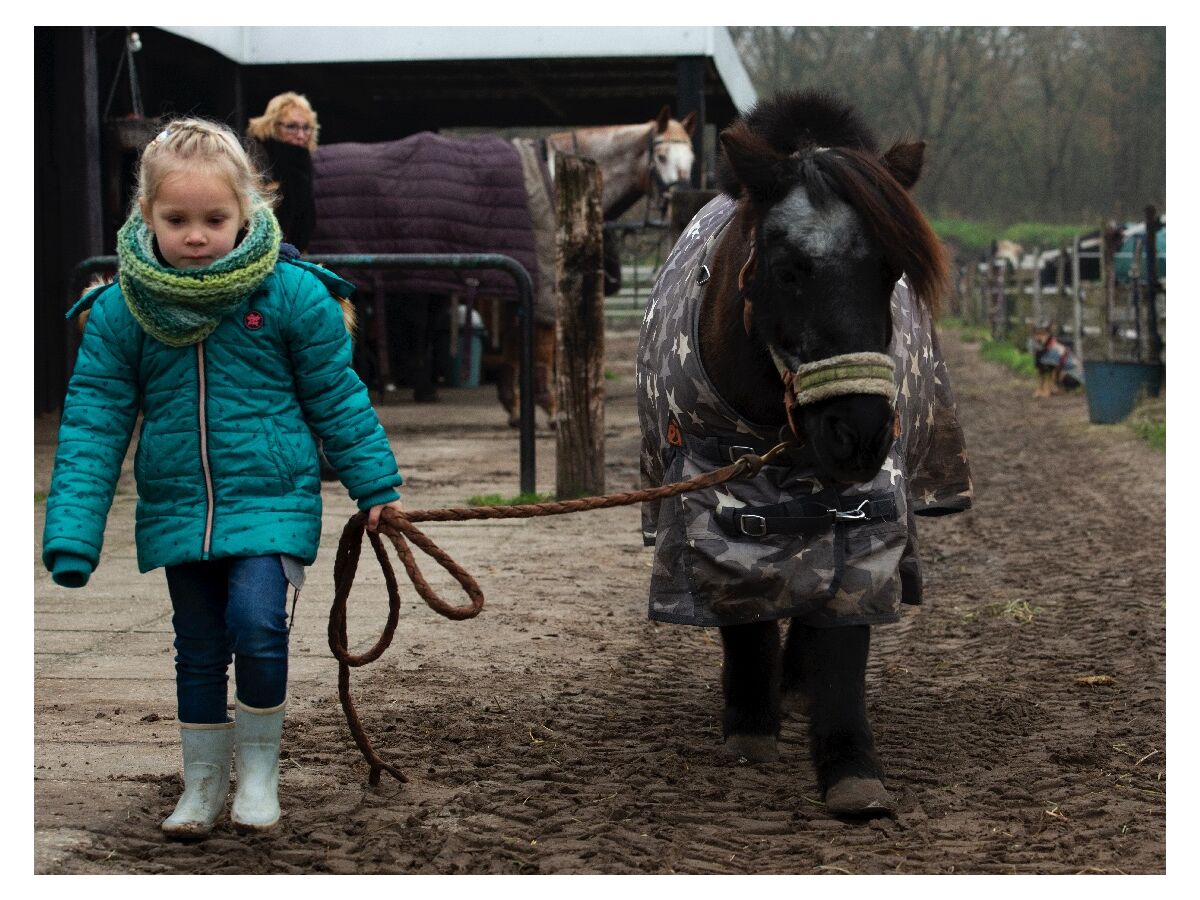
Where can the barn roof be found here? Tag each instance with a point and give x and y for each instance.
(437, 77)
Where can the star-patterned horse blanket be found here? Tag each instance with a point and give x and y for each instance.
(709, 567)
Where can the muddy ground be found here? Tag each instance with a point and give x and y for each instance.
(1020, 713)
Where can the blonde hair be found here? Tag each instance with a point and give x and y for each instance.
(262, 128)
(199, 146)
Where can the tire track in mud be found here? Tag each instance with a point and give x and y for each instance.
(565, 733)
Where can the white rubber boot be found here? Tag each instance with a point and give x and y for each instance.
(256, 754)
(206, 753)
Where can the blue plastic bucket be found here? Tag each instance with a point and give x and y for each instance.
(1113, 388)
(464, 365)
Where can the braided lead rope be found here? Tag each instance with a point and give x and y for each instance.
(400, 529)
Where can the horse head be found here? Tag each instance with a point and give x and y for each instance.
(671, 156)
(830, 229)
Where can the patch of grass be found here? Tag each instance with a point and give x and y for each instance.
(1153, 433)
(1043, 234)
(610, 375)
(972, 236)
(1020, 611)
(40, 496)
(976, 237)
(500, 500)
(975, 334)
(1149, 422)
(1003, 352)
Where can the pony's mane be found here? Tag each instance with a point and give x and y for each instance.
(815, 140)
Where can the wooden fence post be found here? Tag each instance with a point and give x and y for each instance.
(580, 332)
(1000, 300)
(1135, 276)
(1108, 278)
(1020, 306)
(1037, 286)
(1077, 289)
(982, 295)
(1061, 283)
(1153, 224)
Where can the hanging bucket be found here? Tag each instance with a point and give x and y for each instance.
(1114, 388)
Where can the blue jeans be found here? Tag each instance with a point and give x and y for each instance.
(233, 608)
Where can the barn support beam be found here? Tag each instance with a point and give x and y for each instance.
(690, 98)
(66, 189)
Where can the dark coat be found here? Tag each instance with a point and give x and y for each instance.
(292, 168)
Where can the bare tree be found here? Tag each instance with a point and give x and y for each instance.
(1061, 123)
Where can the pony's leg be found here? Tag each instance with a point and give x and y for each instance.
(834, 664)
(793, 698)
(506, 375)
(411, 337)
(546, 390)
(506, 392)
(750, 722)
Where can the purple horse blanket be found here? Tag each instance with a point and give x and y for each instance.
(425, 194)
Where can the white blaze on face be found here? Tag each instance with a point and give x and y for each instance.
(677, 164)
(823, 235)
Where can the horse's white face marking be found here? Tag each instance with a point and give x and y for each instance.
(673, 159)
(835, 232)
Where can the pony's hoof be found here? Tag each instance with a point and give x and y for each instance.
(755, 748)
(794, 704)
(859, 797)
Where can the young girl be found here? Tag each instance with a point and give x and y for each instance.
(230, 353)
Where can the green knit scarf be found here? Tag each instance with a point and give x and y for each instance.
(183, 306)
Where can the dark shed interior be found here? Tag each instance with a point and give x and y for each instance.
(91, 118)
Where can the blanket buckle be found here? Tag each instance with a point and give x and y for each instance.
(850, 515)
(752, 525)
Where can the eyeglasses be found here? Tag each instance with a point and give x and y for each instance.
(296, 128)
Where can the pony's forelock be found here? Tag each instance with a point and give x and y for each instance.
(908, 241)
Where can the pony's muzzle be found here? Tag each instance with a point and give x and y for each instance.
(850, 436)
(845, 409)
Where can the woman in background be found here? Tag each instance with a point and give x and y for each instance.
(283, 139)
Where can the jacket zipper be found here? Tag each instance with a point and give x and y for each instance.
(208, 485)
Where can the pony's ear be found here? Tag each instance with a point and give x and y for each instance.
(904, 162)
(752, 164)
(664, 116)
(689, 122)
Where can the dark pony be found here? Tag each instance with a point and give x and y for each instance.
(803, 275)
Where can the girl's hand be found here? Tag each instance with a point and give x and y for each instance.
(374, 512)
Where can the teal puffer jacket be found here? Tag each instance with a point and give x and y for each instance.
(226, 464)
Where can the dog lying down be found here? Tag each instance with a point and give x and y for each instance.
(1058, 368)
